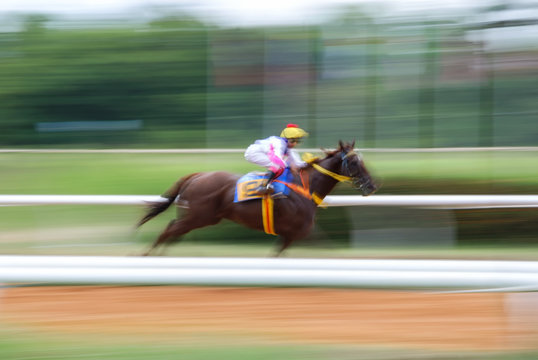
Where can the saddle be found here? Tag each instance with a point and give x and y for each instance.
(245, 188)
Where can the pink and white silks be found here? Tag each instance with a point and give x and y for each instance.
(273, 153)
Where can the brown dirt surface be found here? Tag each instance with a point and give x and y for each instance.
(473, 321)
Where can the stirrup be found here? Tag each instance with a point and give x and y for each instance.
(264, 190)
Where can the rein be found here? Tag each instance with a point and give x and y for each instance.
(335, 176)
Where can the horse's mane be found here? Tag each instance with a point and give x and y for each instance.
(328, 154)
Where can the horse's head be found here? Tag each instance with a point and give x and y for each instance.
(352, 165)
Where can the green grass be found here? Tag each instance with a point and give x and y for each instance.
(23, 344)
(105, 173)
(28, 173)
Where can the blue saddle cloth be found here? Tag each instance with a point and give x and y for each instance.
(246, 185)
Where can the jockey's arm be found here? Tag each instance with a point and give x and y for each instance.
(295, 160)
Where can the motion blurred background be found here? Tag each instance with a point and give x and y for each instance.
(206, 74)
(404, 79)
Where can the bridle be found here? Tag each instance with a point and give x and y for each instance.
(359, 181)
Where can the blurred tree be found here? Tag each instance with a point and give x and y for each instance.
(156, 75)
(35, 23)
(367, 81)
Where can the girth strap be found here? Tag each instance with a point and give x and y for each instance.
(267, 215)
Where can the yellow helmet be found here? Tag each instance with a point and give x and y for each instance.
(293, 131)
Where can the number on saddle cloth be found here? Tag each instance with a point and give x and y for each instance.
(245, 188)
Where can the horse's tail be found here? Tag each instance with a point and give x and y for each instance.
(157, 207)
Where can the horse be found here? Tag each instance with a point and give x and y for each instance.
(209, 197)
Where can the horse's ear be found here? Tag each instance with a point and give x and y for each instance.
(353, 144)
(340, 145)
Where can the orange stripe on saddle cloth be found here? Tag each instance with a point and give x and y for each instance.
(303, 190)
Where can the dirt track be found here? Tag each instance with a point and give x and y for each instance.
(441, 321)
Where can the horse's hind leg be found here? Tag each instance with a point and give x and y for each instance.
(161, 239)
(177, 228)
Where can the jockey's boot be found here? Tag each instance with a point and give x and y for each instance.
(266, 187)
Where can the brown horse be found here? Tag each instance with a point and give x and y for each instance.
(209, 198)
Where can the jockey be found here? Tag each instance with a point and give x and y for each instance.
(276, 153)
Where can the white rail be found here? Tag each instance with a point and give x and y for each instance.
(424, 201)
(241, 150)
(419, 274)
(436, 201)
(39, 261)
(77, 199)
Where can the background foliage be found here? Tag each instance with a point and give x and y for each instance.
(386, 81)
